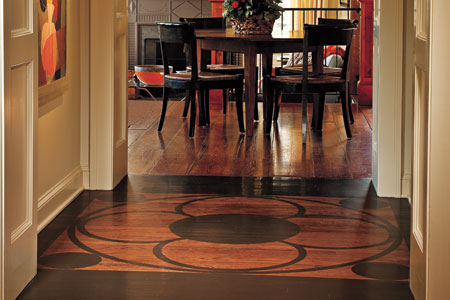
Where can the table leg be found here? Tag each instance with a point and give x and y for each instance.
(250, 90)
(317, 60)
(266, 70)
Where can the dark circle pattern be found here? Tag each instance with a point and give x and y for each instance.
(384, 271)
(70, 260)
(234, 229)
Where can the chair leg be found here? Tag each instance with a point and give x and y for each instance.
(277, 103)
(201, 108)
(304, 117)
(164, 108)
(350, 111)
(315, 109)
(256, 113)
(206, 102)
(269, 108)
(320, 110)
(224, 101)
(186, 104)
(345, 114)
(193, 113)
(239, 109)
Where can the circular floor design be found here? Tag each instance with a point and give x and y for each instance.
(190, 223)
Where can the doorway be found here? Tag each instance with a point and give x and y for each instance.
(220, 150)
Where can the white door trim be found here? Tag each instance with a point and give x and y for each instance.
(2, 198)
(101, 93)
(85, 91)
(438, 223)
(387, 97)
(108, 91)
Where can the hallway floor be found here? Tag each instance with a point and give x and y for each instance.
(194, 237)
(219, 150)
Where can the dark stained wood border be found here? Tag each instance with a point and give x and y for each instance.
(51, 284)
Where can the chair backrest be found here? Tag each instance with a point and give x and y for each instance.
(338, 22)
(178, 33)
(210, 23)
(322, 35)
(205, 23)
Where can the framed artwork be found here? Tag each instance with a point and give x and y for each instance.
(345, 3)
(52, 40)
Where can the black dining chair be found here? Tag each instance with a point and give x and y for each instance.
(184, 33)
(227, 67)
(297, 69)
(315, 37)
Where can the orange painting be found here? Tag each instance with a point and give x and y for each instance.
(52, 40)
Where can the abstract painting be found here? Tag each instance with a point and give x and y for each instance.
(52, 40)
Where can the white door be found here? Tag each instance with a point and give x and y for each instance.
(419, 213)
(109, 66)
(19, 144)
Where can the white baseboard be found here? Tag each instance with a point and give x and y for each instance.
(51, 203)
(406, 185)
(86, 173)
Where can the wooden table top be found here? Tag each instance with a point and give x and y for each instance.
(277, 35)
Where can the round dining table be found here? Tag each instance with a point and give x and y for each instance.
(280, 41)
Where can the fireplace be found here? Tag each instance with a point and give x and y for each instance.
(143, 46)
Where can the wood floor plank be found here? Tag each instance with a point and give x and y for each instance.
(367, 111)
(147, 150)
(183, 151)
(220, 150)
(142, 114)
(134, 135)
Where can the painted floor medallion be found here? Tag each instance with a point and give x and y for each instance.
(295, 236)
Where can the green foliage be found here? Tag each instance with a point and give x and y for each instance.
(268, 10)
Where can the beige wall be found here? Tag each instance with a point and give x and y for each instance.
(59, 171)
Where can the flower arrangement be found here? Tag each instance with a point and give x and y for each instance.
(252, 16)
(268, 10)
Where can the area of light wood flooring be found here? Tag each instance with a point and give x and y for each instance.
(219, 150)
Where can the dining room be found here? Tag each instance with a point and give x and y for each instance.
(219, 149)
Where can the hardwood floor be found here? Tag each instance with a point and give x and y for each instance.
(197, 237)
(219, 150)
(259, 232)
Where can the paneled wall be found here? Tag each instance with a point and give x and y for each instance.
(59, 167)
(145, 14)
